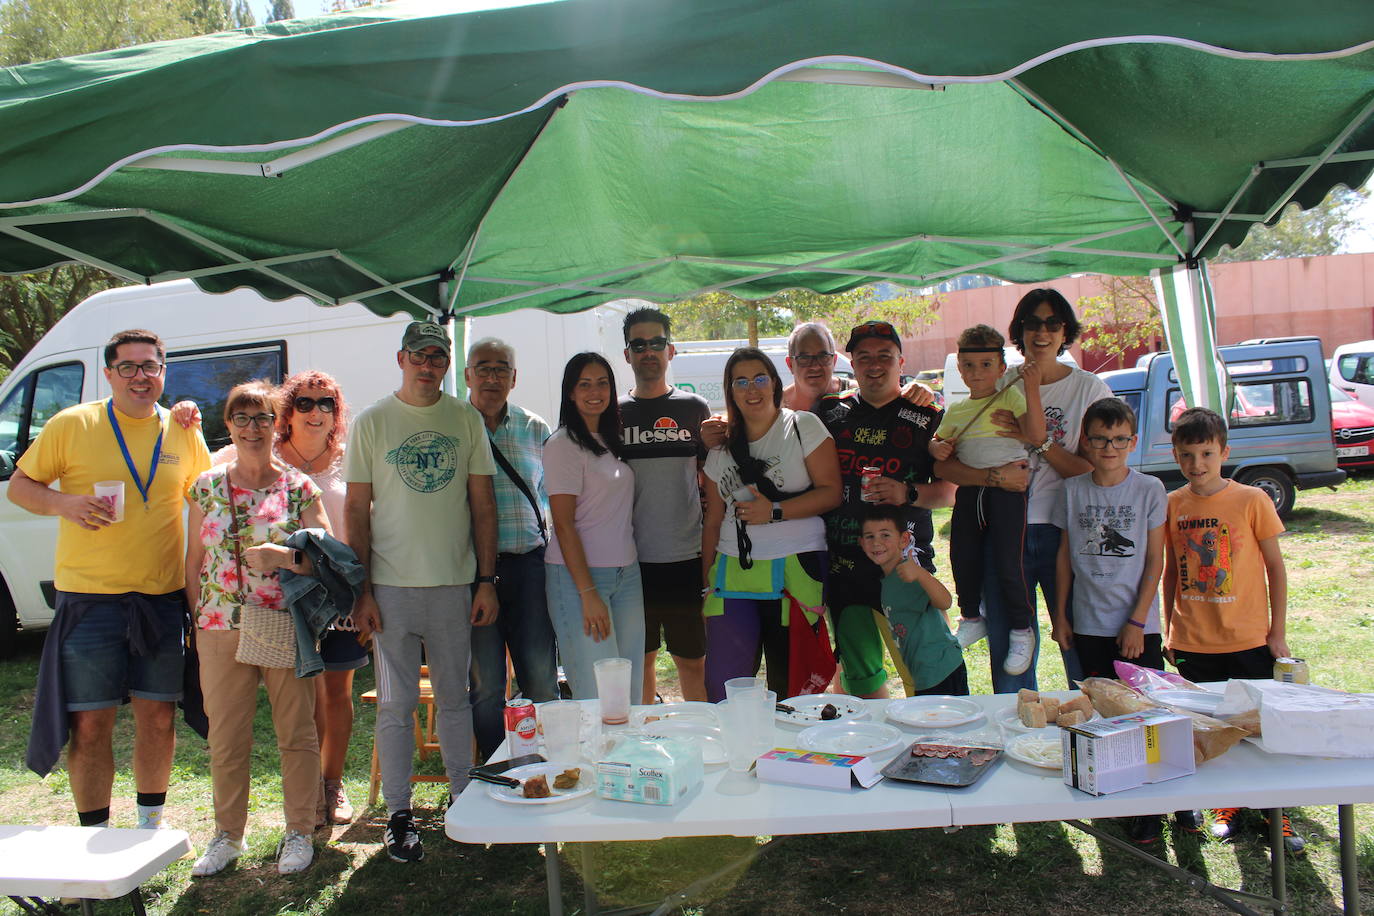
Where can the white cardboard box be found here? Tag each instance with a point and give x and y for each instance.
(1110, 755)
(814, 768)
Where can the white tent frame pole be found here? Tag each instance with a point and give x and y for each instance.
(1226, 211)
(1320, 160)
(1354, 156)
(231, 268)
(579, 284)
(73, 253)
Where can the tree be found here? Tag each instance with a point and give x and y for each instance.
(30, 304)
(1302, 233)
(279, 10)
(1123, 318)
(719, 315)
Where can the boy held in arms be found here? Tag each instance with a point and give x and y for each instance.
(1222, 548)
(927, 654)
(1111, 553)
(990, 513)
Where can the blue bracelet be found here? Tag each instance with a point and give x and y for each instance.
(1135, 623)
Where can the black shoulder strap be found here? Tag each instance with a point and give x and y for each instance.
(522, 486)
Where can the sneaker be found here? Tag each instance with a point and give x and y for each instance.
(1225, 823)
(1144, 830)
(217, 857)
(402, 839)
(337, 808)
(1291, 840)
(295, 853)
(971, 629)
(1188, 821)
(1020, 649)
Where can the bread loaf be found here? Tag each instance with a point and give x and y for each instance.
(1051, 708)
(1072, 717)
(1032, 715)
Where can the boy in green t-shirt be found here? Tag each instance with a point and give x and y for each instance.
(927, 654)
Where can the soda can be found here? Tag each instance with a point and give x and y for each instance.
(522, 727)
(1291, 670)
(867, 475)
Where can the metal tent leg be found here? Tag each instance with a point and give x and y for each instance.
(1278, 865)
(553, 877)
(1350, 875)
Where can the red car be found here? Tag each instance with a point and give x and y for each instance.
(1352, 429)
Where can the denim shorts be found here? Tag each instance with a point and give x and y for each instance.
(341, 651)
(100, 669)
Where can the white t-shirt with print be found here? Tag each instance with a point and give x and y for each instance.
(793, 436)
(1064, 402)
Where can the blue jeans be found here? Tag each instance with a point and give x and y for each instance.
(1042, 547)
(620, 588)
(523, 626)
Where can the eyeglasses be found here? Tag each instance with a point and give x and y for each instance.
(813, 359)
(762, 380)
(1118, 442)
(1035, 323)
(260, 420)
(150, 369)
(437, 360)
(639, 344)
(306, 405)
(501, 372)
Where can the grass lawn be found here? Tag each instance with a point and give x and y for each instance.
(1007, 868)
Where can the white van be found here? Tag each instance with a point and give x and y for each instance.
(699, 365)
(1352, 370)
(213, 343)
(955, 390)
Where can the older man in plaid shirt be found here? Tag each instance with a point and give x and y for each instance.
(517, 443)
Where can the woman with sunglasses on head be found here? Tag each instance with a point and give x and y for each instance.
(241, 514)
(770, 483)
(591, 570)
(1042, 327)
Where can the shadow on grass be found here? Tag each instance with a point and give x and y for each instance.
(1327, 522)
(252, 885)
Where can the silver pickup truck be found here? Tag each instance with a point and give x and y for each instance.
(1280, 416)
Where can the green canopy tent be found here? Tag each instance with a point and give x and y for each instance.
(556, 155)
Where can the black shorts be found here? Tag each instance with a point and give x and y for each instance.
(672, 603)
(1255, 664)
(1096, 654)
(340, 651)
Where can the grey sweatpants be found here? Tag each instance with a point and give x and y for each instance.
(439, 618)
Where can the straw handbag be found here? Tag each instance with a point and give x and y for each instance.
(267, 637)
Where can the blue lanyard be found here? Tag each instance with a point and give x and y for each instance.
(129, 459)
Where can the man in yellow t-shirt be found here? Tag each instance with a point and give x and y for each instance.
(118, 631)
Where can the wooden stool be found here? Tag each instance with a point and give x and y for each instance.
(426, 741)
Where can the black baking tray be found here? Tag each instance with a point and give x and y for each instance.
(951, 772)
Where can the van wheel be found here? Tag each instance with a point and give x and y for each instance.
(9, 622)
(1275, 483)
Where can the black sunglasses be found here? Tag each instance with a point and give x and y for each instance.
(1035, 323)
(306, 405)
(639, 344)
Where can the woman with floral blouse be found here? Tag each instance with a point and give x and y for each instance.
(241, 514)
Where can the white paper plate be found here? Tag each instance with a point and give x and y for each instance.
(808, 708)
(1009, 720)
(933, 712)
(586, 784)
(860, 738)
(1037, 749)
(702, 713)
(708, 736)
(1203, 701)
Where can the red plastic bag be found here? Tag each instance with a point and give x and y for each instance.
(810, 659)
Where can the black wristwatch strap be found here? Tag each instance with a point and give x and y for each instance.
(486, 580)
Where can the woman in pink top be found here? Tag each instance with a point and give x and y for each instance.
(591, 570)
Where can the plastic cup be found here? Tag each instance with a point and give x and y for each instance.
(112, 492)
(739, 686)
(613, 689)
(562, 723)
(764, 708)
(737, 719)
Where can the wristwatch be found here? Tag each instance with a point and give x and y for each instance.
(777, 513)
(912, 494)
(488, 580)
(1044, 447)
(297, 557)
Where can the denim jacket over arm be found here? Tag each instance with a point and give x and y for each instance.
(316, 601)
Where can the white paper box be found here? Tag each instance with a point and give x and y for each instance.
(1306, 719)
(814, 768)
(1111, 755)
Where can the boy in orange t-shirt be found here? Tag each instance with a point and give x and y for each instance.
(1222, 547)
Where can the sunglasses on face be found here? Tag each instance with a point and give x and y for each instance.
(762, 380)
(639, 344)
(1117, 442)
(260, 420)
(1035, 323)
(306, 405)
(129, 370)
(813, 359)
(437, 360)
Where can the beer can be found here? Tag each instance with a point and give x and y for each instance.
(522, 727)
(1291, 670)
(866, 477)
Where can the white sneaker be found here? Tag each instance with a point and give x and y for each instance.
(1019, 651)
(971, 630)
(217, 857)
(295, 853)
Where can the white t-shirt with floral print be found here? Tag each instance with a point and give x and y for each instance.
(269, 515)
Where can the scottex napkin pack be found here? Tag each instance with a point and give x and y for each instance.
(651, 771)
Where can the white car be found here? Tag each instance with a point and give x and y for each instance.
(1352, 370)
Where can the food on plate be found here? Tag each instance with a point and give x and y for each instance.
(568, 779)
(1080, 703)
(1072, 717)
(537, 787)
(1112, 698)
(1046, 752)
(1052, 708)
(975, 755)
(1033, 715)
(1024, 696)
(648, 719)
(828, 712)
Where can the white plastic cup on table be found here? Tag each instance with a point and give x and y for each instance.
(737, 724)
(764, 706)
(613, 689)
(562, 722)
(112, 492)
(739, 686)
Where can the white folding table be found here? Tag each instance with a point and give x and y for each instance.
(739, 805)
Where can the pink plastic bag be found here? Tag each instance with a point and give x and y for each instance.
(1143, 679)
